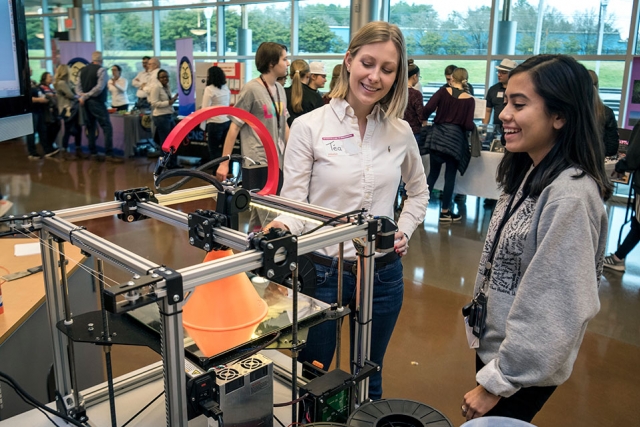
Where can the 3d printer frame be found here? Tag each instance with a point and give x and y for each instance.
(168, 286)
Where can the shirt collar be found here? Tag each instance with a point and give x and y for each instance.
(342, 109)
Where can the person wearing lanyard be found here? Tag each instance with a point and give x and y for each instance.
(539, 273)
(347, 156)
(265, 98)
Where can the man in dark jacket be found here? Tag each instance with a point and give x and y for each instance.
(629, 163)
(91, 88)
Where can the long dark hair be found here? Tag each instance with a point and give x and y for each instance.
(216, 77)
(567, 90)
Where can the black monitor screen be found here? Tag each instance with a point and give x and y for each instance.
(15, 96)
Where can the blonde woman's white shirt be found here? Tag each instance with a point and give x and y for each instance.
(328, 164)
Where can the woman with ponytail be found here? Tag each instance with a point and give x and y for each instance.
(300, 97)
(413, 113)
(447, 140)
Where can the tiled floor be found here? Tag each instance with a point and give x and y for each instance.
(428, 359)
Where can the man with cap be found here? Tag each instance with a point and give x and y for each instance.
(495, 95)
(91, 89)
(318, 76)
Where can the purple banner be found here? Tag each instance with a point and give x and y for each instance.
(186, 86)
(633, 103)
(76, 55)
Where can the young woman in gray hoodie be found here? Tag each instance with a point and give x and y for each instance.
(542, 260)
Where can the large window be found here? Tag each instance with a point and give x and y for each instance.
(268, 22)
(127, 34)
(119, 4)
(610, 74)
(589, 27)
(323, 27)
(436, 28)
(432, 74)
(183, 23)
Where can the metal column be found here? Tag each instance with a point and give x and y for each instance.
(175, 384)
(55, 309)
(362, 337)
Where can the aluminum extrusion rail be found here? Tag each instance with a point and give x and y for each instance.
(98, 246)
(224, 236)
(250, 260)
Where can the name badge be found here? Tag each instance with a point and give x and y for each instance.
(500, 95)
(338, 145)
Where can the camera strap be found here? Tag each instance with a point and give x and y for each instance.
(511, 209)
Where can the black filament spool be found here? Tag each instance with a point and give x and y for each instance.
(397, 413)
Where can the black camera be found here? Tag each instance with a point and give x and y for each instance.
(476, 314)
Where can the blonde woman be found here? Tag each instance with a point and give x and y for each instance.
(300, 97)
(69, 111)
(359, 138)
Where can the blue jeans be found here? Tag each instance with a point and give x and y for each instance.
(388, 290)
(96, 111)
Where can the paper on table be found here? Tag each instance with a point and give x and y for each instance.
(25, 249)
(481, 108)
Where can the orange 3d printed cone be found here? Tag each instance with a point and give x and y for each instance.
(223, 314)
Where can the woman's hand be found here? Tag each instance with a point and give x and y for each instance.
(478, 402)
(275, 224)
(401, 244)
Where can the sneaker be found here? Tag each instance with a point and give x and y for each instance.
(52, 153)
(33, 157)
(449, 217)
(610, 262)
(5, 205)
(113, 159)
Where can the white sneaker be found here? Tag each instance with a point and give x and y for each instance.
(610, 262)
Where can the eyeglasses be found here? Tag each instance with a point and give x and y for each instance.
(502, 72)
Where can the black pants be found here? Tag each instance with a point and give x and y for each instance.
(72, 128)
(436, 160)
(216, 134)
(96, 111)
(631, 240)
(39, 127)
(523, 405)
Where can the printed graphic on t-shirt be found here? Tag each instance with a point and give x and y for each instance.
(269, 112)
(507, 270)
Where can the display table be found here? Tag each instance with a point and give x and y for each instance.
(23, 296)
(128, 130)
(25, 339)
(479, 179)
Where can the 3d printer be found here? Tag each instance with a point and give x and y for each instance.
(150, 305)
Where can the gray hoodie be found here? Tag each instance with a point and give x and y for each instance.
(544, 285)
